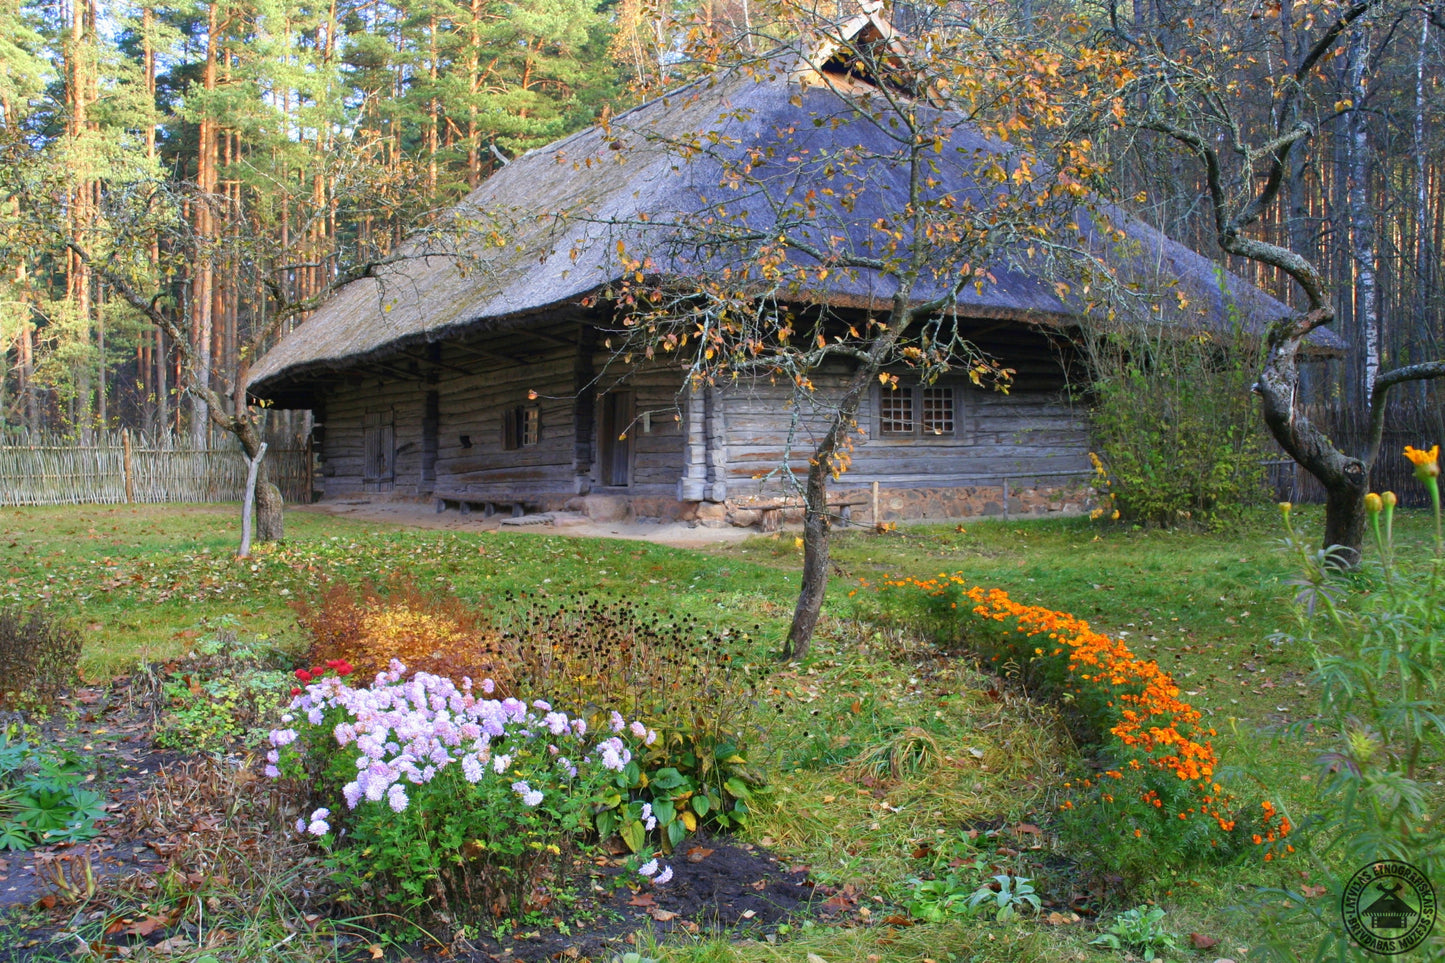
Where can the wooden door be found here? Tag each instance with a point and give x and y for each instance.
(430, 426)
(614, 444)
(378, 470)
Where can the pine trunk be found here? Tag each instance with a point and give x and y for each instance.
(203, 278)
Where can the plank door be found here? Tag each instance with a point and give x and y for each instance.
(430, 428)
(614, 455)
(378, 471)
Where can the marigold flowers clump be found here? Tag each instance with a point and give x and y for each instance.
(1164, 759)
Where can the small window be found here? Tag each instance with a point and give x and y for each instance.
(918, 412)
(895, 412)
(521, 426)
(938, 411)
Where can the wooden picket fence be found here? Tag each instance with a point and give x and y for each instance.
(124, 466)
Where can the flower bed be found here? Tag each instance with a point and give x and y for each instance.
(442, 800)
(1156, 795)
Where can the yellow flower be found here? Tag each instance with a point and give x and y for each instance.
(1373, 503)
(1427, 463)
(1285, 507)
(1389, 499)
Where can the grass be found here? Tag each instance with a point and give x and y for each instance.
(146, 580)
(879, 747)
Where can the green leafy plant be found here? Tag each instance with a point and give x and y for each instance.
(1004, 897)
(938, 899)
(954, 891)
(675, 801)
(1179, 437)
(686, 780)
(1377, 641)
(43, 797)
(228, 695)
(1139, 930)
(38, 657)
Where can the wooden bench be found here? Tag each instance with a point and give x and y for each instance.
(770, 510)
(490, 505)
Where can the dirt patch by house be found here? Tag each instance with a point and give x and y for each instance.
(424, 515)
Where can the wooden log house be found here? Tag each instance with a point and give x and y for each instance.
(474, 370)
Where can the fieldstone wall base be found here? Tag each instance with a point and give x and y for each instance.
(894, 505)
(916, 504)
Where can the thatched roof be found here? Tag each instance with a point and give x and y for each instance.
(545, 230)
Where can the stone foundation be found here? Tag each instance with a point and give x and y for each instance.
(622, 508)
(894, 505)
(917, 504)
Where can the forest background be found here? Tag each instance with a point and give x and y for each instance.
(246, 156)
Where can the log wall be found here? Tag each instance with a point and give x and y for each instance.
(656, 434)
(400, 396)
(449, 414)
(1031, 431)
(475, 391)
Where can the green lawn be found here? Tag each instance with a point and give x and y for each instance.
(145, 582)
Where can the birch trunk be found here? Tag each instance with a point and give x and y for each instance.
(1362, 221)
(1424, 266)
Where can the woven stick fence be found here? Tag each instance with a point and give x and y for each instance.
(1407, 424)
(119, 467)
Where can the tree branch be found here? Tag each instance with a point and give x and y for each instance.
(1423, 371)
(215, 403)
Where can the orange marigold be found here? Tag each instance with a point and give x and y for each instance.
(1427, 463)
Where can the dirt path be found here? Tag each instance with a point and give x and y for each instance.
(418, 515)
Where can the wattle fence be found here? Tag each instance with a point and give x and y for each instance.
(1419, 425)
(124, 466)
